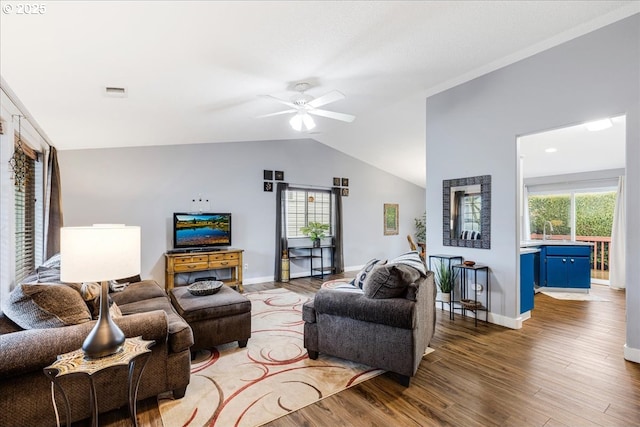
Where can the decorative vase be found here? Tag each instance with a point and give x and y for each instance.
(316, 243)
(284, 267)
(445, 297)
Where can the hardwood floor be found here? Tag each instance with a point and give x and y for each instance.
(563, 368)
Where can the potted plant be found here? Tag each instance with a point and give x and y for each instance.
(421, 228)
(445, 279)
(315, 231)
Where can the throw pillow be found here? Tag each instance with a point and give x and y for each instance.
(53, 262)
(358, 281)
(411, 259)
(45, 305)
(384, 281)
(43, 274)
(90, 292)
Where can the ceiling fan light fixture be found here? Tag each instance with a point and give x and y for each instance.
(308, 121)
(301, 120)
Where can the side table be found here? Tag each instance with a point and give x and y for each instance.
(73, 363)
(464, 301)
(448, 259)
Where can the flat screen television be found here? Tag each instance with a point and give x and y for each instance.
(201, 230)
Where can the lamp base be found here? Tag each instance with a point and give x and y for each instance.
(105, 338)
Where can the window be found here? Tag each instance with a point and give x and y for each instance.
(26, 230)
(305, 206)
(471, 207)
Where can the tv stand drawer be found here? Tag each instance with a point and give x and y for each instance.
(224, 256)
(224, 263)
(190, 259)
(194, 266)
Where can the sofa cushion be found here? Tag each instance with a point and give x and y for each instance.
(395, 312)
(389, 281)
(365, 271)
(139, 291)
(45, 305)
(226, 302)
(180, 334)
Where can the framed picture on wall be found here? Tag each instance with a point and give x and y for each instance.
(390, 219)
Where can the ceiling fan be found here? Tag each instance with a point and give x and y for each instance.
(303, 105)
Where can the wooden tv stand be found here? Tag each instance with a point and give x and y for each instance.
(186, 262)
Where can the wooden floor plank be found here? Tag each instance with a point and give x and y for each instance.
(565, 367)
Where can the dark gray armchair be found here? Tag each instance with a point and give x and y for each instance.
(389, 333)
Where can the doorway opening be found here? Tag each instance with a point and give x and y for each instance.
(569, 186)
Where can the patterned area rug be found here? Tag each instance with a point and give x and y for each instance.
(574, 296)
(272, 376)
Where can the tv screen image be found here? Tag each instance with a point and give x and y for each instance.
(201, 230)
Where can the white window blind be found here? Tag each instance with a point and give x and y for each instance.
(25, 221)
(304, 206)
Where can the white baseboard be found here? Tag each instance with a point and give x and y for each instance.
(255, 280)
(497, 319)
(632, 354)
(507, 322)
(553, 289)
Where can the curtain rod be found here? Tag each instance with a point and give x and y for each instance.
(310, 186)
(23, 111)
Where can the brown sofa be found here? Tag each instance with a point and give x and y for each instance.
(25, 392)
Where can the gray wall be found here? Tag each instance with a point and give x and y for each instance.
(145, 185)
(475, 126)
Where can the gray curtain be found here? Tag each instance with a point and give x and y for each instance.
(281, 238)
(338, 256)
(53, 206)
(456, 214)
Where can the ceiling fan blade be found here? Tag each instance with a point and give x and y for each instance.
(282, 101)
(326, 99)
(276, 114)
(333, 115)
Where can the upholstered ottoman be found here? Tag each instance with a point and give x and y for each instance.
(215, 319)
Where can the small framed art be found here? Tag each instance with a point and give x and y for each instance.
(390, 219)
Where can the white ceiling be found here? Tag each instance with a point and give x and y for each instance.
(194, 69)
(577, 150)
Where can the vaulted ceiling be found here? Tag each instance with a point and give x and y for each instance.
(194, 70)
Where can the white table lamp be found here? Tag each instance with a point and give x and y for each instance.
(100, 253)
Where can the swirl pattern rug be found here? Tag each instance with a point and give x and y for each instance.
(271, 377)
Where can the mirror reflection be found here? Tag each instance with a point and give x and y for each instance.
(467, 212)
(466, 203)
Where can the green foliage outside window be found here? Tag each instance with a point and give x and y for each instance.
(554, 208)
(594, 213)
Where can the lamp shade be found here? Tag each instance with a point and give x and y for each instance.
(99, 253)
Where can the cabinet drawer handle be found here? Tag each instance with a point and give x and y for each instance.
(564, 260)
(572, 260)
(191, 266)
(224, 263)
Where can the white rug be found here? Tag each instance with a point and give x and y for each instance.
(574, 296)
(271, 377)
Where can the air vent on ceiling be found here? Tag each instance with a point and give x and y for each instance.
(115, 92)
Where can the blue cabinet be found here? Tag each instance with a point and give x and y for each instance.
(566, 266)
(528, 279)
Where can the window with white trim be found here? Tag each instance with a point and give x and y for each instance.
(304, 206)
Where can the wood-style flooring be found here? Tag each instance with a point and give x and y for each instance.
(565, 367)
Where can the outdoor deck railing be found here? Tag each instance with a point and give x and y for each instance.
(599, 250)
